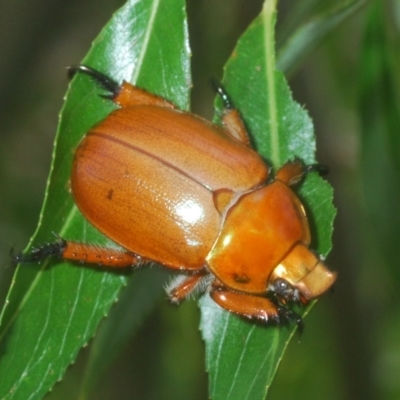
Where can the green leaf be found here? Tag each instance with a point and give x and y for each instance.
(53, 309)
(311, 34)
(115, 332)
(242, 357)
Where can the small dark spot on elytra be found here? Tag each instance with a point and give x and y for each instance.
(110, 194)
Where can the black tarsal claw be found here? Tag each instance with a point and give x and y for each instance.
(107, 83)
(223, 94)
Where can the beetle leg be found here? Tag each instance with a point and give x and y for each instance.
(231, 119)
(81, 253)
(125, 95)
(294, 171)
(245, 305)
(107, 83)
(235, 127)
(184, 286)
(319, 168)
(287, 316)
(130, 95)
(254, 307)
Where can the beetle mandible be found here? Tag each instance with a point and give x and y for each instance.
(170, 187)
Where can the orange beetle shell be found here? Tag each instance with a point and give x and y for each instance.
(149, 178)
(171, 187)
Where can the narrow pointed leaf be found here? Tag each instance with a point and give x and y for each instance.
(242, 357)
(311, 34)
(53, 309)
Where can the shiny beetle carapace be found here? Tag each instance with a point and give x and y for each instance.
(173, 188)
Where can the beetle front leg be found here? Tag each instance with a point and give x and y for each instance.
(254, 307)
(81, 253)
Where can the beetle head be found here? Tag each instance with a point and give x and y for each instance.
(301, 275)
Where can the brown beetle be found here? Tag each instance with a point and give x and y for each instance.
(173, 188)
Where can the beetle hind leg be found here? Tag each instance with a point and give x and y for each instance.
(125, 94)
(231, 118)
(81, 253)
(107, 83)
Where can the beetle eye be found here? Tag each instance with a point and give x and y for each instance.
(284, 290)
(281, 287)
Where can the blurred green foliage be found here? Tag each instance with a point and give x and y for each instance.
(350, 85)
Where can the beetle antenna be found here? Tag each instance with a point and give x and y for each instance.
(223, 94)
(103, 80)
